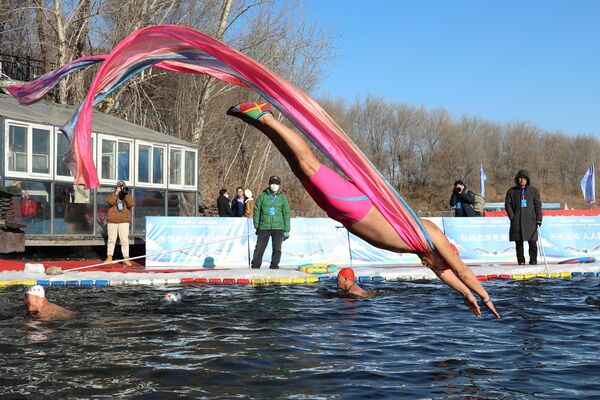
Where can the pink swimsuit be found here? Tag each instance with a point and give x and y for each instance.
(340, 198)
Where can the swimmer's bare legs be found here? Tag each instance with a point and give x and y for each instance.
(374, 228)
(296, 151)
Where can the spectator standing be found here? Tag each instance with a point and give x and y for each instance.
(223, 204)
(271, 220)
(462, 200)
(249, 212)
(524, 209)
(119, 219)
(238, 204)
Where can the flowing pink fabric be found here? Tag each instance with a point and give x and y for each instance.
(181, 49)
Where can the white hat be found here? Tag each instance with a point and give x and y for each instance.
(248, 193)
(36, 290)
(172, 297)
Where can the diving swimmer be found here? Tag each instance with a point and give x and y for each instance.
(39, 308)
(359, 216)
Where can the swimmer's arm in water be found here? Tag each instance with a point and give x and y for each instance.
(57, 312)
(449, 278)
(462, 278)
(358, 292)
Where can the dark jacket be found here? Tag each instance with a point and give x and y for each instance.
(280, 220)
(237, 208)
(223, 206)
(523, 220)
(466, 199)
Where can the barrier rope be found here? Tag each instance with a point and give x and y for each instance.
(162, 252)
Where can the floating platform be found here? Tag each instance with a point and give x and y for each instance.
(13, 273)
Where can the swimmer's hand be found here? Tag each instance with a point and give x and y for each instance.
(471, 302)
(490, 306)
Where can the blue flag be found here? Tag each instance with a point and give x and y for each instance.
(588, 185)
(482, 179)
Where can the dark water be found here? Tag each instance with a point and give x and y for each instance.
(414, 341)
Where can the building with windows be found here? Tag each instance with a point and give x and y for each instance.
(160, 170)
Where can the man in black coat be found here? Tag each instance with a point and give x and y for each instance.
(524, 209)
(462, 200)
(223, 204)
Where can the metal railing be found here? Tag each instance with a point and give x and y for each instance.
(22, 68)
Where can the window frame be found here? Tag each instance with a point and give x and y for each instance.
(29, 174)
(98, 161)
(65, 178)
(166, 155)
(195, 184)
(183, 150)
(182, 162)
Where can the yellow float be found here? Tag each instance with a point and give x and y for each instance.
(318, 268)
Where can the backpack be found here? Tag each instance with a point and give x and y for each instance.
(479, 203)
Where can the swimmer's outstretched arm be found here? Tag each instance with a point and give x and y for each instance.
(459, 277)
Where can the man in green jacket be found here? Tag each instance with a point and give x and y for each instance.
(271, 220)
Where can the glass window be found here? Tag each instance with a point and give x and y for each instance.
(29, 150)
(190, 168)
(17, 145)
(40, 146)
(158, 154)
(144, 164)
(108, 159)
(73, 209)
(33, 208)
(123, 161)
(62, 146)
(102, 195)
(147, 203)
(175, 167)
(181, 204)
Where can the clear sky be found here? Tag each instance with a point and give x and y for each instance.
(528, 60)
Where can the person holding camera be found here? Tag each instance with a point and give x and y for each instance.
(119, 218)
(462, 200)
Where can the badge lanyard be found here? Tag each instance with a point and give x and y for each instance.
(272, 208)
(523, 199)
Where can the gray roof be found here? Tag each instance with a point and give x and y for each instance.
(47, 113)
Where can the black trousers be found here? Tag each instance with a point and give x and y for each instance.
(533, 250)
(261, 244)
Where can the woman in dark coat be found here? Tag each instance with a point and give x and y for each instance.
(524, 209)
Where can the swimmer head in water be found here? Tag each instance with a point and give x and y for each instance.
(172, 297)
(345, 278)
(35, 298)
(345, 282)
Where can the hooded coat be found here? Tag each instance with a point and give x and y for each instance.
(523, 220)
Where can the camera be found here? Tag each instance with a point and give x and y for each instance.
(124, 192)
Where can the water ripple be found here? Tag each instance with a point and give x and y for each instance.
(413, 340)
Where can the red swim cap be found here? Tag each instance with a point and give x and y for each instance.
(347, 273)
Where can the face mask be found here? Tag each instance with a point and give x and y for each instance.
(274, 187)
(226, 195)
